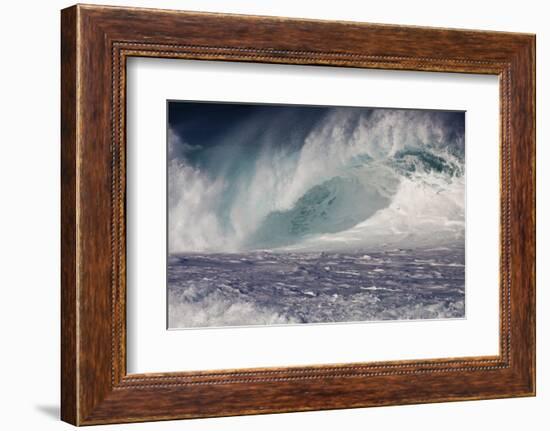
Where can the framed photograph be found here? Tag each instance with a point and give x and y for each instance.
(272, 210)
(265, 214)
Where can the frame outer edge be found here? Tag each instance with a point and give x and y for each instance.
(532, 101)
(531, 84)
(533, 53)
(69, 197)
(523, 178)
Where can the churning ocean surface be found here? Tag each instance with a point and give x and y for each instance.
(293, 214)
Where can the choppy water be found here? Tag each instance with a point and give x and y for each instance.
(263, 288)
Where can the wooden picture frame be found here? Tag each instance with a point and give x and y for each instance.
(95, 43)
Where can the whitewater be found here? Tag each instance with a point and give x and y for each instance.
(351, 214)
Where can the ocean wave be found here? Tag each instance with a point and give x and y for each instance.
(187, 308)
(272, 288)
(357, 179)
(216, 311)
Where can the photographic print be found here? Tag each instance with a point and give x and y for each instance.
(295, 214)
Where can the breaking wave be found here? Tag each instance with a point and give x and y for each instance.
(354, 179)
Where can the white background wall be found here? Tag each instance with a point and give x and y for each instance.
(29, 214)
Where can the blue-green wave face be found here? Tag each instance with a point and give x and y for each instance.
(332, 206)
(245, 177)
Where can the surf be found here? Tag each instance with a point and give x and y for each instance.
(351, 179)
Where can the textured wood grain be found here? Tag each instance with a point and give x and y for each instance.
(96, 41)
(69, 367)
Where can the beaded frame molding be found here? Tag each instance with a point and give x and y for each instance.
(95, 43)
